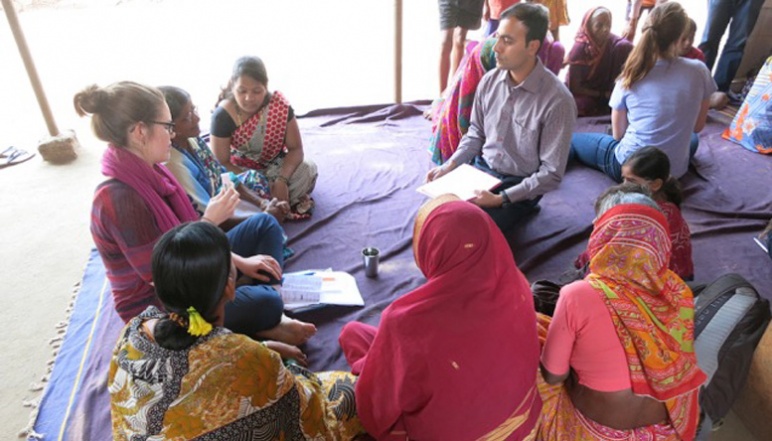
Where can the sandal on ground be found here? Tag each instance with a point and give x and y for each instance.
(13, 156)
(302, 210)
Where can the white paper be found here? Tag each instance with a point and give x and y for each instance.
(307, 288)
(761, 244)
(301, 288)
(462, 181)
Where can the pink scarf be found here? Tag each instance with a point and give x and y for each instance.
(164, 196)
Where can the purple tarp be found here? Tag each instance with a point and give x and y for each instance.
(370, 161)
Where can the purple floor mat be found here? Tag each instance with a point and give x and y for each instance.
(370, 161)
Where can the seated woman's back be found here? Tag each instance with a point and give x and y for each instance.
(663, 107)
(180, 375)
(600, 380)
(459, 371)
(221, 379)
(457, 357)
(645, 385)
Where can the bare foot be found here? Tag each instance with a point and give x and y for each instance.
(288, 352)
(290, 331)
(277, 209)
(718, 100)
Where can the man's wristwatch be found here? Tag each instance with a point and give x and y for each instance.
(505, 199)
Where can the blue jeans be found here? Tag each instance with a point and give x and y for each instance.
(257, 307)
(597, 150)
(509, 216)
(743, 15)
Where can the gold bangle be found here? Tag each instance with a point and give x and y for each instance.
(282, 179)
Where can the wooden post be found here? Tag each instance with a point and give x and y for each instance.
(398, 52)
(21, 43)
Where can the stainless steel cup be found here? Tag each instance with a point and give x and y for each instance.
(371, 256)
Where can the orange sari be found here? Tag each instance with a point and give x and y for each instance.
(652, 310)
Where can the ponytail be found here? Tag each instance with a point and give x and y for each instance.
(191, 266)
(641, 59)
(664, 27)
(671, 189)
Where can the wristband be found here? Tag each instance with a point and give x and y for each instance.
(505, 199)
(282, 179)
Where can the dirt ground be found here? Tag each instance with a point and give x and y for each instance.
(320, 54)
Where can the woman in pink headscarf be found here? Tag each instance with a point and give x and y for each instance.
(457, 357)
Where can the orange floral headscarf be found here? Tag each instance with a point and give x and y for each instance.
(651, 307)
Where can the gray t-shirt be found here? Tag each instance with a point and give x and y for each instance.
(662, 109)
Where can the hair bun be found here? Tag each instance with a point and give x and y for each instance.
(90, 100)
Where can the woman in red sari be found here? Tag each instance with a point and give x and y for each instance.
(618, 361)
(457, 357)
(255, 129)
(595, 62)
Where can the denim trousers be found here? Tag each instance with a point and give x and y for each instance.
(598, 151)
(742, 14)
(257, 306)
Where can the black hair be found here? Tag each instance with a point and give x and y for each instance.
(651, 163)
(250, 66)
(176, 99)
(534, 16)
(191, 266)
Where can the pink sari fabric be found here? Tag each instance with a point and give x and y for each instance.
(457, 357)
(164, 196)
(452, 113)
(552, 53)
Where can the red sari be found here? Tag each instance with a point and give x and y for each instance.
(595, 66)
(457, 357)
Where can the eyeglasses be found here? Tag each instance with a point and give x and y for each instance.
(169, 126)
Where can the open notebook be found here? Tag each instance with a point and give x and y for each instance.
(305, 290)
(462, 181)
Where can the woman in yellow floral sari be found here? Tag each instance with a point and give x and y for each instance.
(618, 361)
(182, 376)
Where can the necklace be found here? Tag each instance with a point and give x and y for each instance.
(238, 114)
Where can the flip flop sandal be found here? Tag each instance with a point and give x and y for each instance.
(8, 151)
(16, 156)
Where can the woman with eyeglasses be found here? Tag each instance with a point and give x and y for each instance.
(141, 200)
(200, 173)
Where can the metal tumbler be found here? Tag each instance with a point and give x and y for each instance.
(371, 255)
